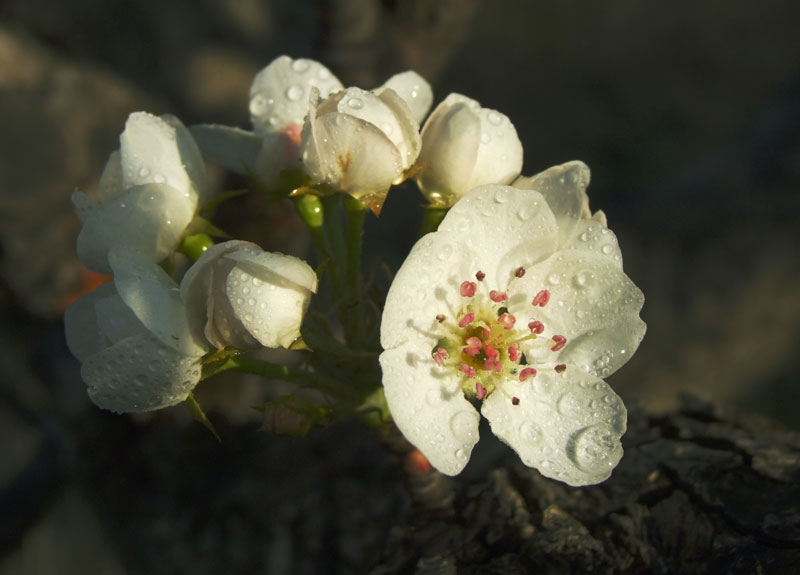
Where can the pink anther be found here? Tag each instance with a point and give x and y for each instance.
(507, 320)
(536, 327)
(440, 318)
(479, 275)
(541, 298)
(466, 320)
(498, 296)
(513, 352)
(491, 364)
(440, 355)
(527, 373)
(474, 345)
(480, 391)
(490, 352)
(560, 368)
(519, 272)
(560, 341)
(486, 332)
(468, 289)
(515, 400)
(467, 370)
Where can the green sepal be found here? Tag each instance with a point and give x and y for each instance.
(200, 416)
(212, 205)
(292, 415)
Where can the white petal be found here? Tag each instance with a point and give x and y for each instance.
(85, 207)
(499, 158)
(279, 151)
(414, 89)
(506, 228)
(116, 320)
(566, 425)
(156, 150)
(408, 141)
(564, 189)
(450, 143)
(83, 334)
(276, 268)
(429, 408)
(234, 148)
(426, 285)
(279, 94)
(110, 185)
(593, 236)
(149, 219)
(140, 374)
(592, 303)
(155, 299)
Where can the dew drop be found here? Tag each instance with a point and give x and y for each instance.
(251, 301)
(257, 282)
(159, 179)
(530, 433)
(584, 237)
(144, 172)
(464, 426)
(606, 249)
(355, 103)
(501, 196)
(527, 211)
(582, 280)
(300, 66)
(258, 105)
(294, 92)
(485, 138)
(324, 73)
(553, 278)
(495, 118)
(595, 449)
(461, 455)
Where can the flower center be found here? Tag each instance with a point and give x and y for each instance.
(482, 339)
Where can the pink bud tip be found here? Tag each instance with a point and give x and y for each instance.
(468, 289)
(560, 368)
(480, 275)
(440, 355)
(498, 296)
(513, 352)
(515, 401)
(466, 320)
(536, 327)
(491, 364)
(540, 299)
(480, 391)
(474, 345)
(507, 320)
(527, 373)
(560, 341)
(466, 370)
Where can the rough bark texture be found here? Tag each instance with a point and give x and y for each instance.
(698, 491)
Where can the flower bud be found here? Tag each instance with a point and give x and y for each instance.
(241, 296)
(465, 146)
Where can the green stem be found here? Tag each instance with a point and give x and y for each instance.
(312, 212)
(334, 237)
(355, 229)
(302, 378)
(432, 216)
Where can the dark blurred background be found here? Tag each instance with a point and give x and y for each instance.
(688, 114)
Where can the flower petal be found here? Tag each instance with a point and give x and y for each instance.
(593, 236)
(85, 207)
(408, 140)
(279, 94)
(429, 408)
(155, 299)
(161, 150)
(565, 425)
(81, 329)
(233, 148)
(110, 185)
(506, 228)
(564, 189)
(592, 303)
(115, 319)
(149, 219)
(412, 88)
(499, 158)
(140, 373)
(426, 285)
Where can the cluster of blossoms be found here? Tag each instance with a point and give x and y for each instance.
(517, 303)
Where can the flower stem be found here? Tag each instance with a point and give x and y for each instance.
(355, 211)
(312, 212)
(432, 216)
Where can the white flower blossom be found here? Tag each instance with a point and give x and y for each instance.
(241, 296)
(520, 303)
(133, 339)
(149, 193)
(360, 142)
(465, 146)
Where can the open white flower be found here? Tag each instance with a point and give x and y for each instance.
(149, 193)
(465, 146)
(133, 339)
(242, 296)
(519, 303)
(360, 143)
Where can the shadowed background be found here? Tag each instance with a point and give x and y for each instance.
(688, 114)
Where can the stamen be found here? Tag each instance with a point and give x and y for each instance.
(527, 373)
(467, 319)
(474, 345)
(560, 368)
(440, 355)
(480, 275)
(513, 352)
(491, 364)
(467, 370)
(540, 299)
(490, 352)
(440, 318)
(480, 391)
(468, 289)
(560, 341)
(515, 400)
(536, 327)
(486, 332)
(507, 320)
(518, 273)
(498, 296)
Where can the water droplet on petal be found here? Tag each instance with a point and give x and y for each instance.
(606, 249)
(553, 278)
(144, 172)
(300, 66)
(495, 118)
(485, 138)
(527, 211)
(501, 196)
(355, 103)
(530, 433)
(464, 426)
(258, 105)
(595, 449)
(294, 92)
